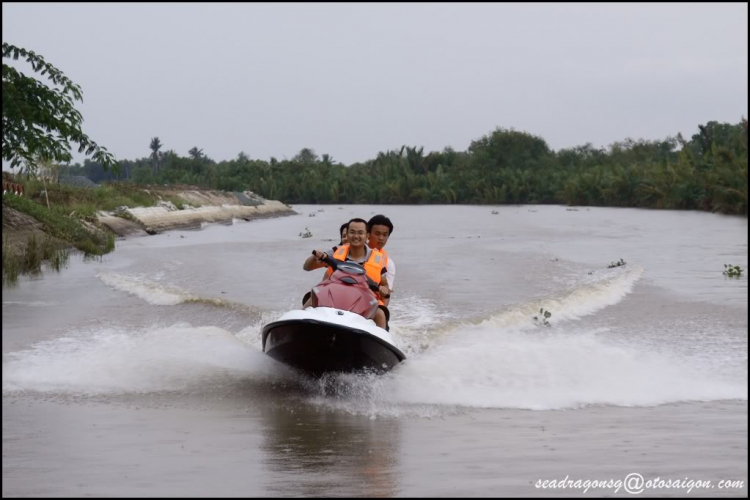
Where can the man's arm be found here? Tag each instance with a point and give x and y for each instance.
(387, 282)
(383, 290)
(313, 261)
(390, 272)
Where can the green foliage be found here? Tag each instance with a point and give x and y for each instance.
(31, 256)
(306, 156)
(61, 226)
(732, 271)
(110, 245)
(11, 264)
(85, 203)
(60, 259)
(509, 148)
(504, 167)
(195, 153)
(48, 248)
(156, 157)
(39, 121)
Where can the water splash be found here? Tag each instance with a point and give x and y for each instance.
(116, 360)
(588, 296)
(152, 292)
(164, 295)
(485, 366)
(503, 361)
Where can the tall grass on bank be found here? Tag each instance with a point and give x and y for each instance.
(11, 264)
(31, 257)
(62, 227)
(84, 203)
(60, 259)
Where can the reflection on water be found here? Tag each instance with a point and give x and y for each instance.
(314, 452)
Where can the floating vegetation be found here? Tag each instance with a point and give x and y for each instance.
(732, 271)
(306, 234)
(616, 264)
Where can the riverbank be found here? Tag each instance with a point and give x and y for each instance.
(193, 208)
(49, 221)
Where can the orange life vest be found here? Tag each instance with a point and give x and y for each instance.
(373, 266)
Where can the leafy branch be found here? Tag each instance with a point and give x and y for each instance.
(40, 122)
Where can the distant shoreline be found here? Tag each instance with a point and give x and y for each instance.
(212, 207)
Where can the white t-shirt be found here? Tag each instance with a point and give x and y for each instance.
(390, 275)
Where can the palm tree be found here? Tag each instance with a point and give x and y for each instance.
(195, 153)
(155, 147)
(326, 160)
(415, 159)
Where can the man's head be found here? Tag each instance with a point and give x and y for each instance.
(357, 233)
(342, 231)
(380, 229)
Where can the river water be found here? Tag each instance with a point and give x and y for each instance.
(141, 374)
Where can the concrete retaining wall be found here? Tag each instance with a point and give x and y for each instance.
(152, 220)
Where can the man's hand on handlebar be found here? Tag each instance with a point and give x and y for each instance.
(321, 256)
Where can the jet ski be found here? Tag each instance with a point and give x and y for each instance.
(338, 333)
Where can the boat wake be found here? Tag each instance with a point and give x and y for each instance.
(505, 360)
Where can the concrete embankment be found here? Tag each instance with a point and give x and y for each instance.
(200, 206)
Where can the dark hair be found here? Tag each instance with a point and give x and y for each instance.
(345, 225)
(358, 220)
(380, 220)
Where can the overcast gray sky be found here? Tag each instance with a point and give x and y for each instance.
(354, 79)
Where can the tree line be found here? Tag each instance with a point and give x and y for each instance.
(706, 172)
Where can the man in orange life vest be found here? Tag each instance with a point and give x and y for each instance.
(356, 251)
(381, 228)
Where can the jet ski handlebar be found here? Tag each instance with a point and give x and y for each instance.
(334, 263)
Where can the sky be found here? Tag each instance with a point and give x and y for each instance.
(350, 80)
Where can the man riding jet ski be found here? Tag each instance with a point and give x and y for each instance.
(343, 326)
